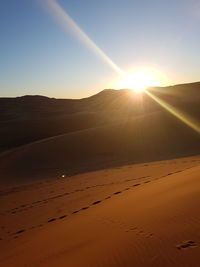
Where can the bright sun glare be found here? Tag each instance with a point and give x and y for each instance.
(138, 81)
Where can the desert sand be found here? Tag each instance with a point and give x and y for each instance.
(134, 215)
(108, 180)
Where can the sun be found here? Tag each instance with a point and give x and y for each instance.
(138, 81)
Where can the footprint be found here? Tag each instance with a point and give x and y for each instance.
(140, 232)
(51, 220)
(84, 208)
(170, 173)
(118, 192)
(62, 217)
(76, 211)
(20, 231)
(186, 244)
(135, 184)
(96, 202)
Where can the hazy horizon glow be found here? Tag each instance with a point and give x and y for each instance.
(41, 55)
(141, 78)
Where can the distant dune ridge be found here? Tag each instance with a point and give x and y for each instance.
(45, 137)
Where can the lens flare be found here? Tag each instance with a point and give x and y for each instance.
(178, 114)
(70, 25)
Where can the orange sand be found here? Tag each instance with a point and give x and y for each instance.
(135, 215)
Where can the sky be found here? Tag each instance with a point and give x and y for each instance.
(41, 55)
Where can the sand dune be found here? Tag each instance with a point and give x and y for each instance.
(109, 180)
(30, 118)
(43, 138)
(154, 137)
(136, 215)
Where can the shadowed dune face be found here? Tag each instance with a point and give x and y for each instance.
(108, 129)
(152, 137)
(30, 118)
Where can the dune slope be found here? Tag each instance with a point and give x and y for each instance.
(147, 216)
(147, 138)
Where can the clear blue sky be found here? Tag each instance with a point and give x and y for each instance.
(37, 56)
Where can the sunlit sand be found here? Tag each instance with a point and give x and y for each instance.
(141, 215)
